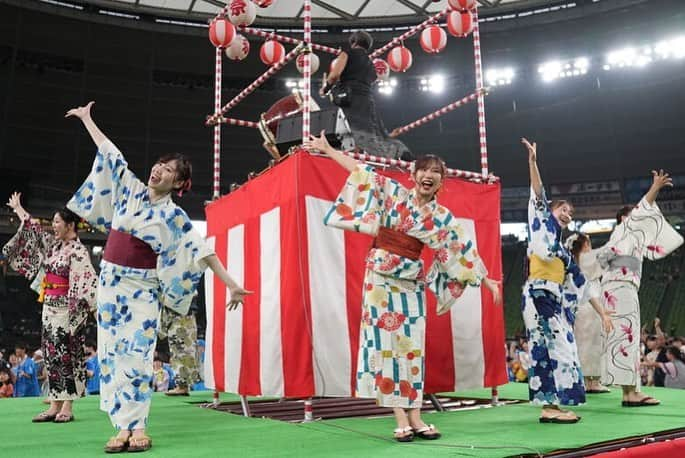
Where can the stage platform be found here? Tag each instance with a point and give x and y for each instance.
(180, 428)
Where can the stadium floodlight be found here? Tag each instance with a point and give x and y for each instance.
(386, 87)
(433, 83)
(499, 76)
(550, 70)
(436, 83)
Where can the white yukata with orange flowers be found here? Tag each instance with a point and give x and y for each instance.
(390, 363)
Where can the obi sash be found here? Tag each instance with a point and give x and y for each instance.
(398, 243)
(629, 262)
(126, 250)
(552, 270)
(53, 285)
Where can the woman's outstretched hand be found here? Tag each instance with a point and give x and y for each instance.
(532, 150)
(494, 287)
(237, 297)
(80, 112)
(14, 203)
(320, 143)
(661, 179)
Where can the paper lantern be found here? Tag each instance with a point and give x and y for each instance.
(242, 12)
(264, 3)
(399, 59)
(460, 24)
(221, 32)
(271, 52)
(382, 69)
(239, 48)
(462, 5)
(433, 39)
(314, 62)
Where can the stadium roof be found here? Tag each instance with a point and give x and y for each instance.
(344, 13)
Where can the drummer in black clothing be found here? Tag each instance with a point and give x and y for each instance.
(354, 71)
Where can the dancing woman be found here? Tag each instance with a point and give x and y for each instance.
(68, 286)
(153, 258)
(641, 232)
(550, 298)
(591, 318)
(391, 354)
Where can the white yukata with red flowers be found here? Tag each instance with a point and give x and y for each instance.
(644, 234)
(390, 363)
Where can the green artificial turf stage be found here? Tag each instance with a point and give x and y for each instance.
(180, 429)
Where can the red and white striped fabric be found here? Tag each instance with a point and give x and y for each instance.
(221, 32)
(460, 24)
(399, 59)
(271, 52)
(297, 335)
(433, 39)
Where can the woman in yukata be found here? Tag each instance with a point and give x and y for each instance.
(591, 318)
(60, 264)
(641, 232)
(391, 354)
(551, 294)
(153, 259)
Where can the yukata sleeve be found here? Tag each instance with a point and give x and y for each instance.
(363, 202)
(542, 229)
(456, 264)
(28, 248)
(106, 189)
(81, 297)
(181, 262)
(649, 224)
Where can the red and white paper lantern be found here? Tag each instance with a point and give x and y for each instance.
(462, 5)
(264, 3)
(399, 59)
(460, 24)
(382, 69)
(221, 32)
(314, 62)
(271, 52)
(433, 39)
(239, 48)
(242, 12)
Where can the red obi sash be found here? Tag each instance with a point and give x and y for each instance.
(126, 250)
(398, 243)
(53, 285)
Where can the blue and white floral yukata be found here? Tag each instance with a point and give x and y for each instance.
(130, 299)
(391, 353)
(550, 299)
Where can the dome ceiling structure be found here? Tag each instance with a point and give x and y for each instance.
(340, 13)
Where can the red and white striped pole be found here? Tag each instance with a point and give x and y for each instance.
(238, 122)
(254, 85)
(216, 188)
(477, 60)
(406, 165)
(307, 68)
(308, 411)
(437, 113)
(289, 40)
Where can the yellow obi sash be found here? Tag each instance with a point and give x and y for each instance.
(546, 270)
